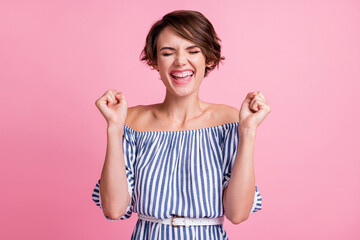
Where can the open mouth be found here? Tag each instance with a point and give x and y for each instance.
(182, 77)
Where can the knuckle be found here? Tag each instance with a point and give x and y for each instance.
(110, 91)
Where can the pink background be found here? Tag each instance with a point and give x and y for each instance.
(58, 57)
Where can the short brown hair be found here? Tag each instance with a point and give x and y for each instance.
(192, 26)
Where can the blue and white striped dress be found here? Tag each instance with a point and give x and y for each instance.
(179, 173)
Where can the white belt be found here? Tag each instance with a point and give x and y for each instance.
(177, 221)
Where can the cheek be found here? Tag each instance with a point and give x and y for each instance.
(201, 61)
(164, 62)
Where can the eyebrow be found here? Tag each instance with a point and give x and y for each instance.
(170, 48)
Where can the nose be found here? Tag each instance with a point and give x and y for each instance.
(180, 59)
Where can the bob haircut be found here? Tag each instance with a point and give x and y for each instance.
(191, 25)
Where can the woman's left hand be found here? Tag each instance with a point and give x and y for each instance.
(253, 110)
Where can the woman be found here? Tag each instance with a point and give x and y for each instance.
(177, 156)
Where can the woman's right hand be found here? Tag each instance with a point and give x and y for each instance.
(113, 107)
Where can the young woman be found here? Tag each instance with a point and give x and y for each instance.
(171, 162)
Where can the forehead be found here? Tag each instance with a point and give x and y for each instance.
(168, 37)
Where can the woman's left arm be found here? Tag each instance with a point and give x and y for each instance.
(238, 196)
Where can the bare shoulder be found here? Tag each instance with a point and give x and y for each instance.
(147, 117)
(132, 111)
(138, 115)
(223, 113)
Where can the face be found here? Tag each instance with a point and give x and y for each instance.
(181, 63)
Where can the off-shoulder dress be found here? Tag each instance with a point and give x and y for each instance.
(180, 173)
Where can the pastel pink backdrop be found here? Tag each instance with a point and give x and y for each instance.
(58, 57)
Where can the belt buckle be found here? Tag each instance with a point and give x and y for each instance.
(172, 221)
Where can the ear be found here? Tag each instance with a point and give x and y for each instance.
(209, 64)
(156, 67)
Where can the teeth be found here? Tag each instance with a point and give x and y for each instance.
(183, 74)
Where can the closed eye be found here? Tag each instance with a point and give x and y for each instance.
(168, 54)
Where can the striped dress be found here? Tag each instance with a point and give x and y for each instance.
(179, 173)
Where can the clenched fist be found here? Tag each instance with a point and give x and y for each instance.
(253, 110)
(113, 107)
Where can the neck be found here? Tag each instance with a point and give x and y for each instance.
(182, 109)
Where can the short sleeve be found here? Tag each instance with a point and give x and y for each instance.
(257, 204)
(129, 148)
(229, 151)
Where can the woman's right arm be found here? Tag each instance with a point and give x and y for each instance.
(113, 185)
(113, 182)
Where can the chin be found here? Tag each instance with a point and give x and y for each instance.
(182, 92)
